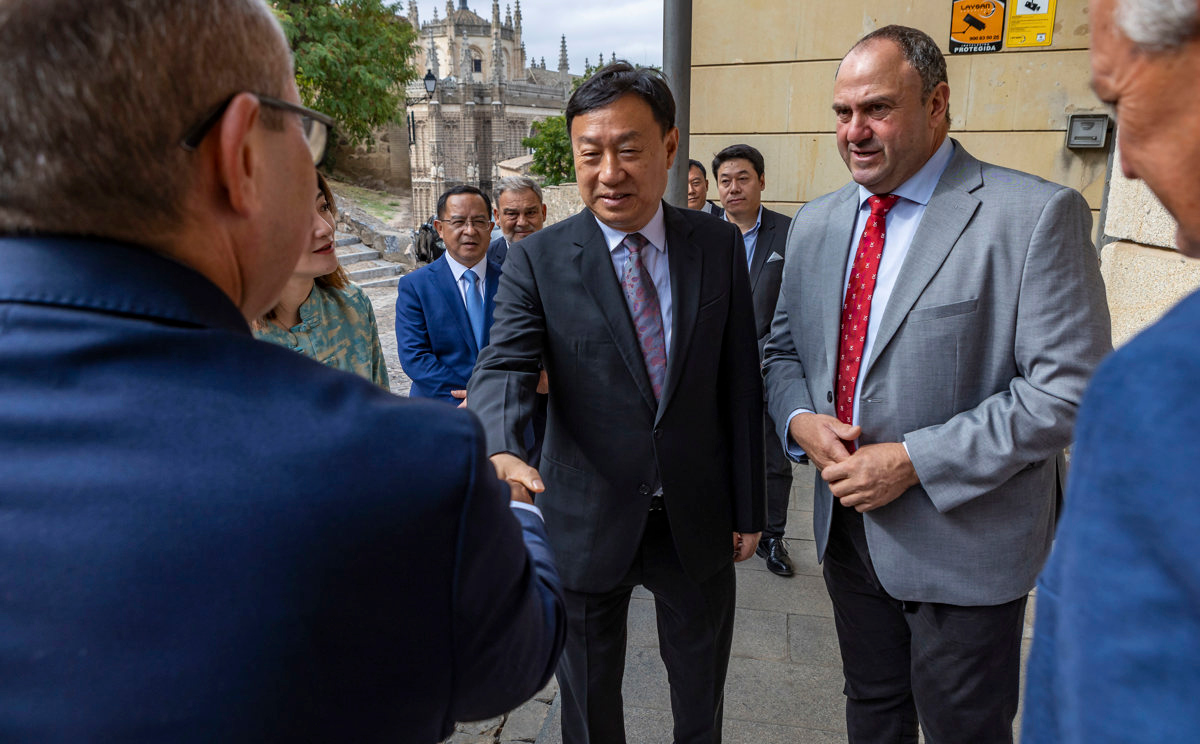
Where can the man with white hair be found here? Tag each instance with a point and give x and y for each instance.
(519, 213)
(204, 537)
(1117, 639)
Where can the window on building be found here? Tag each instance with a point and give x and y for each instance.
(477, 65)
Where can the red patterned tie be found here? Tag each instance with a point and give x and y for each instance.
(642, 299)
(856, 312)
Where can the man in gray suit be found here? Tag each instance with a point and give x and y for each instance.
(931, 370)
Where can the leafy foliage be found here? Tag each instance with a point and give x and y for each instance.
(353, 59)
(552, 156)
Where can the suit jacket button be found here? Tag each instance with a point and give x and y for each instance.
(658, 433)
(829, 397)
(644, 489)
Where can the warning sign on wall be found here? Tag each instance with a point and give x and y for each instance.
(976, 26)
(1030, 23)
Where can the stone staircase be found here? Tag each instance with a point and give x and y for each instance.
(364, 264)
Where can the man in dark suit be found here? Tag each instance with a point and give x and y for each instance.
(697, 191)
(444, 309)
(1115, 648)
(201, 540)
(741, 178)
(652, 467)
(519, 213)
(938, 320)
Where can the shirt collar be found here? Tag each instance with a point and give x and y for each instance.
(757, 222)
(655, 231)
(458, 269)
(920, 186)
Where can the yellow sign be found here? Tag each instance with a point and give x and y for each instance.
(1030, 23)
(976, 26)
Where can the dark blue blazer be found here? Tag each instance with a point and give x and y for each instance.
(1116, 646)
(200, 542)
(433, 333)
(498, 250)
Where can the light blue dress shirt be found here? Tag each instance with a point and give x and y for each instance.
(750, 237)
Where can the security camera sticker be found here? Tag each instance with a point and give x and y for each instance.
(1030, 23)
(978, 25)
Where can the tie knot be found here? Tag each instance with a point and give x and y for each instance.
(880, 205)
(471, 276)
(635, 242)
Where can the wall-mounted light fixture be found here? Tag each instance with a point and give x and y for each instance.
(1087, 131)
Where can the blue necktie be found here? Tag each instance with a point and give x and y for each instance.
(474, 306)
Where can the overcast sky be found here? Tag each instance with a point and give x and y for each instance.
(631, 28)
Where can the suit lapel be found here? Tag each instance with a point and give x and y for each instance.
(490, 285)
(594, 264)
(838, 242)
(946, 216)
(684, 259)
(453, 300)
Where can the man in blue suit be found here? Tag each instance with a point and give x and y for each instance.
(200, 541)
(1117, 641)
(444, 309)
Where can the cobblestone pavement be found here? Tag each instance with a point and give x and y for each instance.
(785, 680)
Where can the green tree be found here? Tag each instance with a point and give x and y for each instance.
(353, 59)
(552, 156)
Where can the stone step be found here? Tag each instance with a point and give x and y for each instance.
(356, 253)
(376, 269)
(345, 239)
(387, 281)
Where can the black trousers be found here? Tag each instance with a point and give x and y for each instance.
(779, 483)
(695, 631)
(954, 669)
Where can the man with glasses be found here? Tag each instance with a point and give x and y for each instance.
(444, 309)
(196, 543)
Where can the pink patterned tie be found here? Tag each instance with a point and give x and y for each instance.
(642, 299)
(856, 312)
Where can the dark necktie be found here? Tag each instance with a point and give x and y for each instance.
(474, 306)
(856, 311)
(642, 299)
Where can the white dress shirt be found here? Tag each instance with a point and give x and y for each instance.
(458, 270)
(654, 261)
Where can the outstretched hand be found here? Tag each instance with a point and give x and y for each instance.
(523, 479)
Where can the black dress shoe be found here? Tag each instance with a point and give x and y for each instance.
(775, 553)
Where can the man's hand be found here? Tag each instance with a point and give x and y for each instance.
(744, 544)
(461, 395)
(821, 437)
(521, 478)
(543, 385)
(873, 476)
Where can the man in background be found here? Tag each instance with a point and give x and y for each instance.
(698, 189)
(519, 213)
(741, 178)
(444, 309)
(1117, 639)
(208, 538)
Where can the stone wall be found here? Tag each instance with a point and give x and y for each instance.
(561, 201)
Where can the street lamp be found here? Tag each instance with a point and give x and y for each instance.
(430, 86)
(430, 83)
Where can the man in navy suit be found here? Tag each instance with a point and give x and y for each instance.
(520, 212)
(1117, 639)
(202, 539)
(444, 309)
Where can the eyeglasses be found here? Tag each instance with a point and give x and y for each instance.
(479, 223)
(315, 124)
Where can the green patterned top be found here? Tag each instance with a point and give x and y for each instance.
(337, 328)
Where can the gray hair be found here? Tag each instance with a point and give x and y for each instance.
(919, 50)
(1157, 25)
(517, 183)
(95, 97)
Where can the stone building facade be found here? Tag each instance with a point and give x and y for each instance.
(486, 101)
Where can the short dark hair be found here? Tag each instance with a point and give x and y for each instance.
(919, 50)
(617, 79)
(455, 191)
(743, 152)
(698, 164)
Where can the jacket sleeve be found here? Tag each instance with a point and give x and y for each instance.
(509, 617)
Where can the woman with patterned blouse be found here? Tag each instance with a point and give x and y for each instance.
(321, 314)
